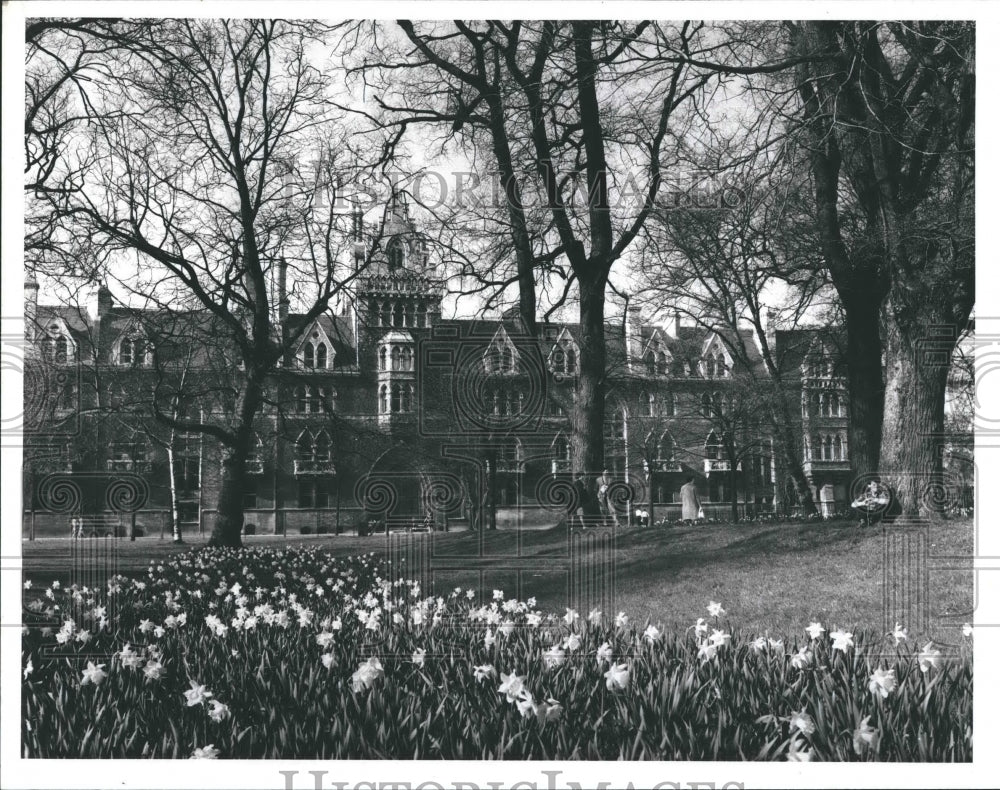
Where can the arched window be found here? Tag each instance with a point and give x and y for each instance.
(303, 447)
(395, 253)
(397, 314)
(409, 315)
(315, 400)
(618, 425)
(710, 367)
(561, 449)
(720, 365)
(665, 450)
(712, 446)
(321, 355)
(408, 393)
(649, 360)
(422, 315)
(649, 399)
(62, 349)
(506, 359)
(571, 361)
(383, 399)
(321, 447)
(706, 405)
(301, 400)
(385, 314)
(125, 352)
(382, 354)
(397, 397)
(817, 448)
(308, 356)
(717, 402)
(838, 448)
(668, 403)
(396, 353)
(406, 359)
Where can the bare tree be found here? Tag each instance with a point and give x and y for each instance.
(717, 266)
(196, 186)
(888, 114)
(559, 111)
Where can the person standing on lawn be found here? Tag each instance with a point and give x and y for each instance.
(690, 504)
(603, 502)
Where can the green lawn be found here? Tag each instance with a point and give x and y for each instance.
(769, 577)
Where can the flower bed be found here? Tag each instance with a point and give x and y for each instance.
(295, 654)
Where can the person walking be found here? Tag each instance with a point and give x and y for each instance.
(690, 504)
(608, 514)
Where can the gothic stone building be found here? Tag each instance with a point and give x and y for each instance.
(465, 418)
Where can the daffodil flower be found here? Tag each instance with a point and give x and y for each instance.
(511, 685)
(94, 673)
(205, 753)
(929, 658)
(652, 634)
(483, 672)
(803, 722)
(815, 630)
(842, 640)
(219, 711)
(883, 682)
(554, 656)
(197, 694)
(865, 737)
(616, 677)
(604, 654)
(715, 609)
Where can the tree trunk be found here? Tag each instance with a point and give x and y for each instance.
(912, 426)
(733, 509)
(229, 520)
(588, 411)
(864, 383)
(791, 455)
(175, 512)
(651, 508)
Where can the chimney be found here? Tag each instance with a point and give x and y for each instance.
(104, 301)
(282, 292)
(30, 305)
(359, 238)
(633, 335)
(770, 327)
(673, 325)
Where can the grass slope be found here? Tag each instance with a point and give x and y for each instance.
(770, 577)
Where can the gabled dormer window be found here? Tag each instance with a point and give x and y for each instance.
(57, 346)
(316, 353)
(564, 355)
(133, 350)
(501, 356)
